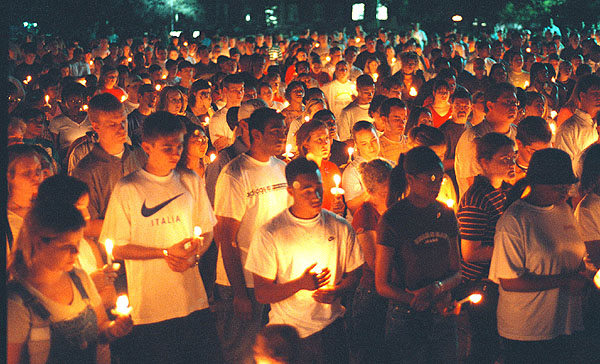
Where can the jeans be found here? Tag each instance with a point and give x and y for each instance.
(419, 337)
(368, 321)
(328, 346)
(237, 336)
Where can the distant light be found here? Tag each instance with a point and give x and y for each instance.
(25, 24)
(174, 33)
(247, 17)
(484, 24)
(358, 11)
(457, 18)
(35, 25)
(196, 34)
(382, 12)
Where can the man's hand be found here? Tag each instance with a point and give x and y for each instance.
(422, 298)
(311, 280)
(327, 295)
(182, 256)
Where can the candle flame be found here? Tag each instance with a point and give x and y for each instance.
(328, 58)
(475, 298)
(337, 179)
(122, 307)
(123, 98)
(164, 77)
(288, 148)
(306, 118)
(413, 92)
(47, 98)
(91, 63)
(375, 77)
(197, 231)
(185, 44)
(286, 104)
(526, 84)
(157, 87)
(85, 107)
(129, 59)
(212, 157)
(350, 151)
(393, 60)
(553, 79)
(449, 202)
(109, 245)
(553, 114)
(27, 79)
(317, 45)
(597, 279)
(357, 39)
(528, 50)
(552, 127)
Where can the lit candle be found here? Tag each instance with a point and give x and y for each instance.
(122, 307)
(109, 245)
(375, 77)
(47, 98)
(337, 190)
(85, 107)
(357, 39)
(328, 58)
(552, 126)
(198, 235)
(205, 122)
(27, 79)
(288, 152)
(306, 118)
(526, 84)
(474, 298)
(528, 50)
(212, 157)
(597, 279)
(553, 79)
(185, 44)
(413, 92)
(393, 60)
(116, 266)
(123, 98)
(286, 104)
(553, 114)
(157, 87)
(317, 45)
(129, 59)
(91, 63)
(350, 152)
(164, 77)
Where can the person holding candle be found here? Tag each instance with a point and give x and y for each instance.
(147, 96)
(368, 307)
(478, 211)
(358, 109)
(200, 107)
(393, 142)
(314, 144)
(55, 314)
(151, 217)
(537, 261)
(303, 261)
(341, 90)
(339, 150)
(366, 142)
(110, 158)
(108, 80)
(417, 239)
(171, 99)
(250, 191)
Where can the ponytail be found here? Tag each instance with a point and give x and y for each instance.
(398, 182)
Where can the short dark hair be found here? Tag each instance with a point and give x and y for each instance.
(585, 83)
(490, 144)
(260, 118)
(235, 79)
(387, 105)
(161, 124)
(363, 125)
(145, 88)
(495, 91)
(426, 136)
(61, 188)
(103, 103)
(533, 129)
(364, 81)
(376, 104)
(461, 93)
(298, 167)
(72, 88)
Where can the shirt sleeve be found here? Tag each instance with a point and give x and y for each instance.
(229, 197)
(472, 222)
(19, 321)
(261, 259)
(386, 234)
(351, 183)
(90, 288)
(94, 205)
(508, 258)
(117, 221)
(344, 126)
(589, 223)
(465, 162)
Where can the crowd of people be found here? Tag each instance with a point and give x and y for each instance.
(321, 198)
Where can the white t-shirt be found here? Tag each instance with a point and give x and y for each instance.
(282, 250)
(252, 192)
(540, 241)
(218, 126)
(339, 95)
(587, 215)
(158, 212)
(68, 130)
(465, 159)
(351, 181)
(350, 115)
(576, 134)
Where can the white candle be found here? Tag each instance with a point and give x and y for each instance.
(198, 235)
(337, 190)
(109, 245)
(288, 152)
(413, 92)
(375, 77)
(350, 152)
(47, 98)
(122, 307)
(157, 87)
(212, 157)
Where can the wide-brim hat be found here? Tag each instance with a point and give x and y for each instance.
(551, 166)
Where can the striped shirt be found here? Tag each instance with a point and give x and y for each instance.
(478, 212)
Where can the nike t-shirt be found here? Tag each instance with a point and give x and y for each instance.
(158, 212)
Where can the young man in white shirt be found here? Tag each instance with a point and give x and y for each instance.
(303, 261)
(250, 190)
(220, 133)
(393, 141)
(341, 90)
(358, 109)
(151, 218)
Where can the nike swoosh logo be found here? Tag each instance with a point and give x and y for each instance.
(149, 211)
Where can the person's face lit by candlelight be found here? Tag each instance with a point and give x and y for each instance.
(307, 191)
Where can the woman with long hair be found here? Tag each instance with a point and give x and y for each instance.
(417, 263)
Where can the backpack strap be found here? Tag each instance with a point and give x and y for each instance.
(77, 281)
(29, 300)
